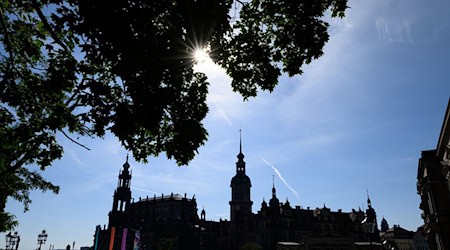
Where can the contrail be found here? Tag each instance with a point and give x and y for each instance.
(281, 177)
(144, 190)
(224, 116)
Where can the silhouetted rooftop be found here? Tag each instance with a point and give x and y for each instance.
(176, 197)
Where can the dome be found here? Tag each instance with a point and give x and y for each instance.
(240, 178)
(274, 202)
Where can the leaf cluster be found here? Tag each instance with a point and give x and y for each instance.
(274, 37)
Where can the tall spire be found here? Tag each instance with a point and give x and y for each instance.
(240, 164)
(274, 202)
(240, 155)
(369, 203)
(274, 191)
(240, 141)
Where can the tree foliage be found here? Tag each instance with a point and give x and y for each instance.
(86, 67)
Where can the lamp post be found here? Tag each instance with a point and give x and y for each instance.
(368, 228)
(12, 241)
(8, 240)
(42, 237)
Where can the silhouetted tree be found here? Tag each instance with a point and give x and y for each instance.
(84, 67)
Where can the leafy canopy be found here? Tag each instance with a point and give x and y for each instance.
(85, 67)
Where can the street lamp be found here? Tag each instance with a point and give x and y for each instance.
(368, 228)
(8, 240)
(12, 241)
(42, 237)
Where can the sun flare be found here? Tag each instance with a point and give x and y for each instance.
(201, 56)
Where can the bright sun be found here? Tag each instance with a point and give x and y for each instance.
(201, 55)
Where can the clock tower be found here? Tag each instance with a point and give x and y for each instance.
(240, 204)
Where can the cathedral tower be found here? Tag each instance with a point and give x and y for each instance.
(122, 198)
(240, 204)
(372, 216)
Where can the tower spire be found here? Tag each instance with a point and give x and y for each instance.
(240, 164)
(240, 141)
(274, 191)
(369, 203)
(274, 202)
(240, 204)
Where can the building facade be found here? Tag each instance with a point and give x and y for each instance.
(433, 186)
(402, 238)
(420, 239)
(150, 223)
(172, 222)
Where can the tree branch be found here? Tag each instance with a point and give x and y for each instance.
(16, 166)
(79, 144)
(8, 42)
(48, 27)
(77, 91)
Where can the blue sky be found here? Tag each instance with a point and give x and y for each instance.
(358, 118)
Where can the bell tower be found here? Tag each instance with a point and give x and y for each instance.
(122, 198)
(240, 204)
(372, 216)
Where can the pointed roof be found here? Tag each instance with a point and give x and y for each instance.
(240, 164)
(274, 191)
(287, 203)
(274, 201)
(126, 165)
(240, 155)
(264, 203)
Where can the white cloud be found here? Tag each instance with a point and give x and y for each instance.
(394, 30)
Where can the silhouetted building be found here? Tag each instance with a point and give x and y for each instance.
(172, 222)
(384, 225)
(166, 219)
(433, 186)
(420, 239)
(402, 238)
